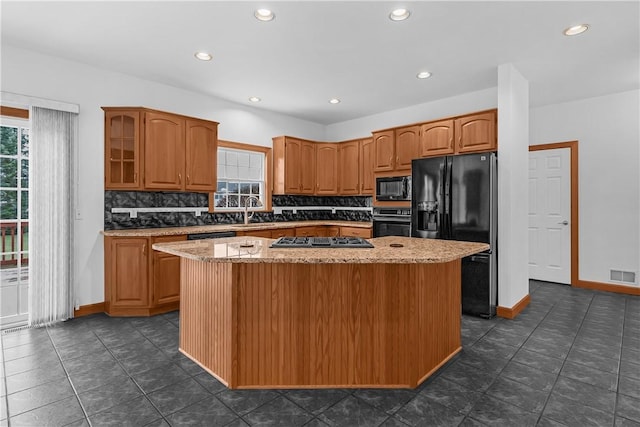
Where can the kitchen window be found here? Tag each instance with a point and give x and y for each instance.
(243, 171)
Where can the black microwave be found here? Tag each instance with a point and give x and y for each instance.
(393, 188)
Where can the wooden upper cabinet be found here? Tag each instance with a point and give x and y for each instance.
(327, 168)
(407, 142)
(476, 132)
(153, 150)
(122, 149)
(436, 138)
(294, 169)
(384, 150)
(350, 166)
(201, 154)
(164, 151)
(307, 167)
(367, 180)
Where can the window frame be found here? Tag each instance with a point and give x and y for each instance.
(267, 151)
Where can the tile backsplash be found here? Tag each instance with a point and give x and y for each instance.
(148, 199)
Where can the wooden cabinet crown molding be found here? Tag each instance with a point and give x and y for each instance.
(152, 110)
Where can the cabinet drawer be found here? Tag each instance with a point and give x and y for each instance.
(365, 233)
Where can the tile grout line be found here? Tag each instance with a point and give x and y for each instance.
(75, 392)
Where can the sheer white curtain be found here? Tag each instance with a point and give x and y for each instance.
(53, 135)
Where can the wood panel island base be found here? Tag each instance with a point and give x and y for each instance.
(257, 317)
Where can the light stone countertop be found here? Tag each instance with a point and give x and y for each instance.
(195, 229)
(249, 249)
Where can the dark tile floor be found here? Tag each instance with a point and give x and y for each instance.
(571, 358)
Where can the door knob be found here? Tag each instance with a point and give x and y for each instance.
(565, 222)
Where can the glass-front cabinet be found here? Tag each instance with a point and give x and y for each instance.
(122, 149)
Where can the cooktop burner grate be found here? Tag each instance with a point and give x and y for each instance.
(321, 242)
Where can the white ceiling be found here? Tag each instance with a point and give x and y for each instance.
(314, 51)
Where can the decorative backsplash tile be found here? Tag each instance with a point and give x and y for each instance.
(148, 199)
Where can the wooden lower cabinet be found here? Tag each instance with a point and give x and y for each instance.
(126, 280)
(255, 233)
(138, 280)
(309, 231)
(165, 277)
(365, 233)
(282, 232)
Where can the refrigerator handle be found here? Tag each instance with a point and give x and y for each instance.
(449, 198)
(445, 204)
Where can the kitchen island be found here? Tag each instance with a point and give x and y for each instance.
(259, 317)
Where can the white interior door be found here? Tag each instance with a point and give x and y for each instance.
(549, 215)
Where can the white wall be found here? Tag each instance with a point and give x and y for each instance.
(608, 133)
(513, 179)
(455, 105)
(29, 73)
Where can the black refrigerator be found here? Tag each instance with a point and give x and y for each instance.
(455, 198)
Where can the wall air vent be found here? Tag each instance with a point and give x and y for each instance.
(622, 276)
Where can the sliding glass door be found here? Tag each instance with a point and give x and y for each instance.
(14, 222)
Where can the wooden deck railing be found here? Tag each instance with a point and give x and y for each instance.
(9, 241)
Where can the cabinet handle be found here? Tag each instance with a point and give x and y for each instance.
(460, 142)
(188, 179)
(135, 177)
(144, 249)
(179, 178)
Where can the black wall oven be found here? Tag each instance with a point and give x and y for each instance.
(391, 222)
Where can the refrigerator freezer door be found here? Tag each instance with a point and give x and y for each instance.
(471, 197)
(427, 200)
(479, 290)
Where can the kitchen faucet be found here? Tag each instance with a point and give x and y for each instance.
(246, 208)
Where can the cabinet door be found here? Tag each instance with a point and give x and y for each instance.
(384, 150)
(349, 168)
(476, 133)
(367, 180)
(331, 231)
(127, 281)
(201, 152)
(292, 155)
(307, 166)
(436, 138)
(165, 268)
(326, 168)
(407, 142)
(164, 152)
(122, 150)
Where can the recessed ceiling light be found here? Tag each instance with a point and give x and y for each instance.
(264, 15)
(334, 101)
(576, 29)
(255, 99)
(203, 56)
(399, 14)
(423, 75)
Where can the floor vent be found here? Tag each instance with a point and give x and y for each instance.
(19, 328)
(622, 276)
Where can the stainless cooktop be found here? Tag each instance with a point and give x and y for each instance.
(321, 242)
